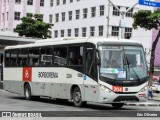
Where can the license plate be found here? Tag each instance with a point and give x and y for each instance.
(117, 89)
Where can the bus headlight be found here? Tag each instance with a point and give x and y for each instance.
(105, 88)
(144, 89)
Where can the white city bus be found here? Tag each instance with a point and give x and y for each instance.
(103, 70)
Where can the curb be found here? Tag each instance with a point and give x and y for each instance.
(1, 85)
(143, 104)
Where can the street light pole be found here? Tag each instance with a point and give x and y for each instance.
(122, 22)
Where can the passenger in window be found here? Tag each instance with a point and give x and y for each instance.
(37, 63)
(79, 62)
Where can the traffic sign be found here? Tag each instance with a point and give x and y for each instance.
(149, 3)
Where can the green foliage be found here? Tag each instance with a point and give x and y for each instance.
(146, 19)
(33, 27)
(149, 20)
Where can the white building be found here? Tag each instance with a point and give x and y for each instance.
(77, 18)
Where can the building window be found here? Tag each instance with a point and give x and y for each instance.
(41, 16)
(29, 15)
(18, 1)
(29, 2)
(93, 11)
(17, 15)
(71, 1)
(58, 2)
(129, 13)
(76, 32)
(92, 29)
(14, 29)
(84, 29)
(51, 3)
(50, 34)
(101, 10)
(115, 11)
(62, 33)
(50, 19)
(64, 1)
(70, 15)
(57, 17)
(115, 31)
(85, 11)
(3, 17)
(56, 33)
(77, 14)
(69, 32)
(128, 33)
(42, 3)
(7, 15)
(100, 30)
(63, 16)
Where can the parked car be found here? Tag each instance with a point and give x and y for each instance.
(155, 87)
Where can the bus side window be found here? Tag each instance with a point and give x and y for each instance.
(46, 56)
(7, 58)
(75, 55)
(60, 56)
(14, 58)
(23, 57)
(34, 57)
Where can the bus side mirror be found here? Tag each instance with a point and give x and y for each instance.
(98, 61)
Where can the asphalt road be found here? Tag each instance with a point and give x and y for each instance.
(12, 102)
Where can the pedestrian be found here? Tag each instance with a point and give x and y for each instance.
(150, 92)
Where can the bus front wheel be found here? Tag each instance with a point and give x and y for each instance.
(117, 105)
(77, 98)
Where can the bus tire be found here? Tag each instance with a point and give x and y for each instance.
(117, 105)
(77, 98)
(27, 92)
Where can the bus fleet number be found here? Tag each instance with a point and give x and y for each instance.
(117, 88)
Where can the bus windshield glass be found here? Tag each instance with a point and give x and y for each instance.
(122, 62)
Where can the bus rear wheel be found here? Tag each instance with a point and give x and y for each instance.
(27, 92)
(117, 105)
(77, 98)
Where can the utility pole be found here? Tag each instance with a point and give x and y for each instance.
(122, 21)
(108, 18)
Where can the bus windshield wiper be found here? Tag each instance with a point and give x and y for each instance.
(135, 72)
(125, 59)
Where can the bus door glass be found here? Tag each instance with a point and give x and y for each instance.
(89, 70)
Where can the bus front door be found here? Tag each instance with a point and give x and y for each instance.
(89, 75)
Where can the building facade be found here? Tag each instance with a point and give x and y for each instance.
(77, 18)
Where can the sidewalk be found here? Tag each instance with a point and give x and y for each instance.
(156, 97)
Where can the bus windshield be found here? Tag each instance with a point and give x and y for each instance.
(122, 62)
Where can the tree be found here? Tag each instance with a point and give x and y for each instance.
(33, 26)
(149, 20)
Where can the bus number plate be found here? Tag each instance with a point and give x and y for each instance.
(117, 89)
